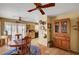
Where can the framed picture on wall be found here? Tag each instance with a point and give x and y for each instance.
(49, 26)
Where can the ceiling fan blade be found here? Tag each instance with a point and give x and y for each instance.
(48, 5)
(32, 10)
(42, 11)
(37, 4)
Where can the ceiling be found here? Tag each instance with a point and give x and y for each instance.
(14, 10)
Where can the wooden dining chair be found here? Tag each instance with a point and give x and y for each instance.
(25, 48)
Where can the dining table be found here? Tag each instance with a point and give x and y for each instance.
(17, 44)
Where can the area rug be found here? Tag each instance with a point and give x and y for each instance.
(34, 50)
(10, 51)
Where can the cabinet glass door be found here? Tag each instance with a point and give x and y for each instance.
(57, 27)
(64, 27)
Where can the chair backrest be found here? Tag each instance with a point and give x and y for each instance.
(27, 40)
(10, 37)
(25, 47)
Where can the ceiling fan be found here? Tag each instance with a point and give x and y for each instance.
(19, 20)
(39, 6)
(23, 20)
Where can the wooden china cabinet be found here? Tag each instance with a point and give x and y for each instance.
(61, 32)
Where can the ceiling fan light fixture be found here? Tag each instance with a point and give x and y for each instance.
(19, 18)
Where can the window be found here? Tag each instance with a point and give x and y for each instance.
(8, 29)
(36, 28)
(14, 28)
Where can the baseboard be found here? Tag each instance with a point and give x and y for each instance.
(75, 52)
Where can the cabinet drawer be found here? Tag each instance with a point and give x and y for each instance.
(65, 44)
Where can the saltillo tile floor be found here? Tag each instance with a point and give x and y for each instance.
(54, 51)
(4, 49)
(44, 50)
